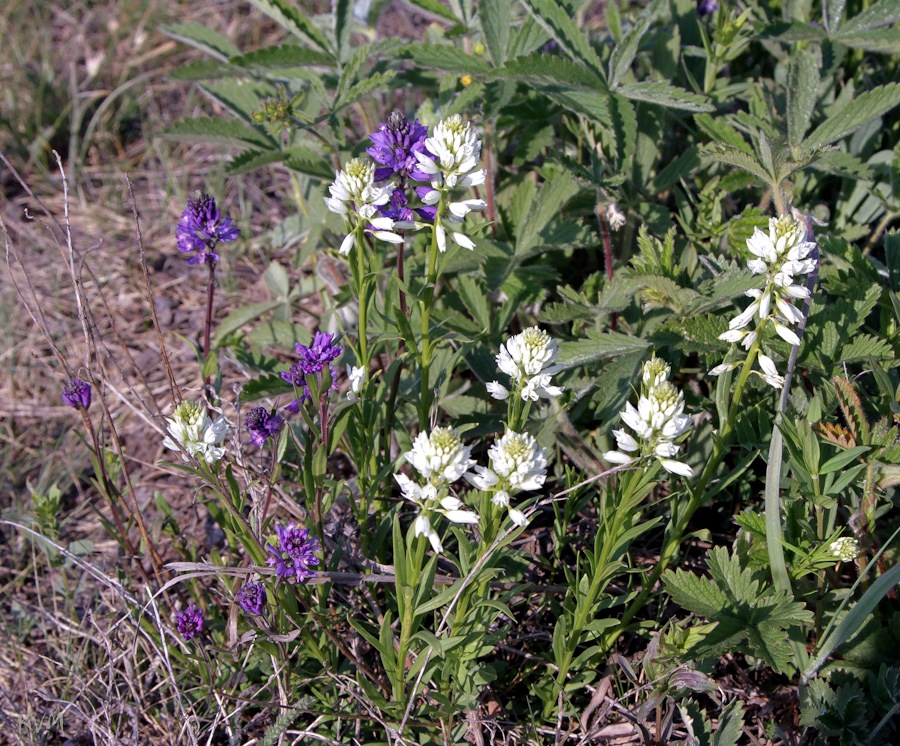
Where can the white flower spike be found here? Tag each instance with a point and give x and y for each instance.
(527, 358)
(196, 433)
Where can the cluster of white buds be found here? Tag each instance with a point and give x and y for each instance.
(781, 255)
(192, 431)
(845, 549)
(356, 196)
(527, 358)
(658, 422)
(517, 464)
(456, 165)
(441, 459)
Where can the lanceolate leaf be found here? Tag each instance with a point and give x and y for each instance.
(663, 94)
(253, 159)
(223, 131)
(292, 19)
(495, 25)
(364, 88)
(738, 159)
(885, 41)
(445, 57)
(803, 88)
(881, 13)
(202, 38)
(624, 53)
(343, 25)
(285, 55)
(562, 29)
(544, 70)
(597, 347)
(861, 110)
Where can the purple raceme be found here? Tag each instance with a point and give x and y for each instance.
(262, 425)
(189, 622)
(202, 228)
(396, 144)
(313, 360)
(295, 553)
(77, 394)
(252, 598)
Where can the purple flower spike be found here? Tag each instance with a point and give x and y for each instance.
(189, 622)
(396, 143)
(77, 394)
(262, 425)
(202, 228)
(707, 7)
(252, 598)
(294, 555)
(312, 362)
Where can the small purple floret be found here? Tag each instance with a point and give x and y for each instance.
(396, 143)
(313, 360)
(202, 228)
(77, 394)
(262, 425)
(252, 598)
(707, 7)
(294, 555)
(189, 622)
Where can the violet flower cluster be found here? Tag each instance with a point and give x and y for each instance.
(77, 394)
(262, 425)
(252, 598)
(295, 553)
(202, 228)
(313, 361)
(396, 144)
(189, 622)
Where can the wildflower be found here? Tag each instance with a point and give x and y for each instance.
(313, 360)
(527, 358)
(252, 598)
(846, 549)
(396, 143)
(707, 7)
(356, 375)
(615, 217)
(295, 553)
(77, 394)
(262, 425)
(440, 459)
(196, 433)
(202, 228)
(658, 421)
(451, 162)
(516, 464)
(356, 196)
(189, 622)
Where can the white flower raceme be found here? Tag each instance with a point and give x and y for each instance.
(517, 464)
(196, 433)
(356, 376)
(456, 165)
(440, 459)
(354, 194)
(658, 422)
(846, 549)
(527, 358)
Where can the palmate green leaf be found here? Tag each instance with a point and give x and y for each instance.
(623, 55)
(596, 347)
(881, 13)
(203, 38)
(861, 110)
(691, 334)
(495, 18)
(548, 73)
(695, 594)
(284, 55)
(737, 158)
(559, 24)
(866, 347)
(445, 57)
(293, 20)
(803, 89)
(551, 198)
(221, 131)
(625, 128)
(663, 94)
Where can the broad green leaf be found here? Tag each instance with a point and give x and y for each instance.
(293, 20)
(445, 57)
(623, 55)
(496, 26)
(885, 41)
(203, 38)
(343, 25)
(881, 13)
(558, 22)
(663, 94)
(803, 88)
(222, 131)
(833, 14)
(861, 110)
(596, 347)
(285, 55)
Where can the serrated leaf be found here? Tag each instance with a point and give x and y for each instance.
(222, 131)
(364, 88)
(308, 161)
(833, 14)
(496, 26)
(240, 97)
(737, 158)
(596, 347)
(678, 169)
(625, 128)
(842, 164)
(722, 132)
(284, 55)
(884, 41)
(558, 22)
(694, 593)
(861, 110)
(625, 51)
(864, 347)
(548, 72)
(205, 70)
(343, 25)
(881, 13)
(292, 19)
(252, 160)
(435, 8)
(663, 94)
(203, 38)
(550, 200)
(803, 89)
(445, 57)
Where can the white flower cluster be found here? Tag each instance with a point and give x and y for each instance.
(846, 549)
(517, 464)
(355, 194)
(458, 154)
(781, 255)
(527, 358)
(441, 459)
(198, 435)
(658, 422)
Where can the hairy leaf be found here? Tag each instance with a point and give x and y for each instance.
(294, 21)
(863, 109)
(222, 131)
(495, 25)
(203, 38)
(664, 94)
(559, 24)
(803, 88)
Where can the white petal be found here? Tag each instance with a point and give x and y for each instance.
(463, 240)
(388, 236)
(346, 244)
(497, 391)
(617, 457)
(676, 467)
(786, 334)
(518, 517)
(461, 516)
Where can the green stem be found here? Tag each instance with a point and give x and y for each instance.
(362, 297)
(407, 621)
(425, 303)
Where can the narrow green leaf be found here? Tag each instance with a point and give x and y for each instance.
(251, 160)
(881, 13)
(284, 55)
(833, 14)
(597, 347)
(549, 72)
(626, 50)
(433, 7)
(308, 161)
(551, 198)
(737, 158)
(495, 26)
(861, 110)
(203, 38)
(682, 167)
(205, 70)
(222, 131)
(558, 22)
(803, 88)
(842, 460)
(239, 97)
(722, 132)
(343, 25)
(884, 41)
(364, 88)
(663, 94)
(625, 127)
(293, 20)
(445, 57)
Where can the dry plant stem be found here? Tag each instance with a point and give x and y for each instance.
(173, 385)
(607, 257)
(879, 229)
